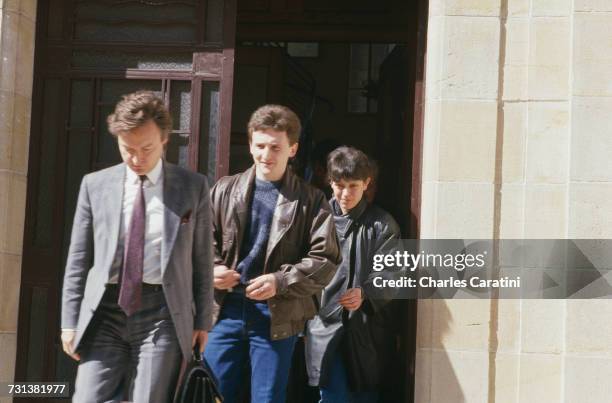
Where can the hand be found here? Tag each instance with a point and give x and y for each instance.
(262, 287)
(351, 299)
(201, 338)
(68, 344)
(225, 278)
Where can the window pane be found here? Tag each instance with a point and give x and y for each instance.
(177, 151)
(358, 69)
(100, 59)
(209, 129)
(180, 105)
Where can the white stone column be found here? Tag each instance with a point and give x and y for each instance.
(17, 32)
(517, 144)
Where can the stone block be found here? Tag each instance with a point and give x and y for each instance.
(459, 376)
(587, 379)
(464, 211)
(592, 5)
(431, 140)
(592, 56)
(515, 133)
(548, 142)
(517, 41)
(25, 58)
(549, 59)
(589, 214)
(423, 376)
(588, 328)
(435, 57)
(10, 280)
(472, 7)
(7, 105)
(20, 137)
(13, 191)
(475, 39)
(512, 215)
(508, 325)
(428, 209)
(468, 132)
(541, 378)
(591, 143)
(518, 8)
(27, 8)
(425, 315)
(507, 386)
(515, 85)
(542, 326)
(461, 324)
(545, 211)
(8, 50)
(8, 354)
(551, 8)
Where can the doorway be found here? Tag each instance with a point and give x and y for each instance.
(353, 73)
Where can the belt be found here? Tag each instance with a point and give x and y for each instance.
(146, 288)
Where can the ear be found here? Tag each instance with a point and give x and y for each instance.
(293, 150)
(366, 183)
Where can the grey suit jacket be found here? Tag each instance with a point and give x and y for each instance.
(186, 252)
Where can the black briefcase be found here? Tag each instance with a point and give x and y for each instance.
(198, 384)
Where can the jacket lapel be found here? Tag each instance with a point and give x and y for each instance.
(173, 210)
(241, 203)
(284, 213)
(113, 208)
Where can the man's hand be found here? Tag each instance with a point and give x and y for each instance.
(351, 299)
(201, 338)
(262, 287)
(225, 277)
(68, 344)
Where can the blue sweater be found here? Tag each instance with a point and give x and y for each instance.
(253, 249)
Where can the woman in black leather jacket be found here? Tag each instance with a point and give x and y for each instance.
(346, 342)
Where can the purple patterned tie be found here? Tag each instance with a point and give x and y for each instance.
(131, 274)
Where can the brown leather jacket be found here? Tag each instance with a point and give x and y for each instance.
(303, 250)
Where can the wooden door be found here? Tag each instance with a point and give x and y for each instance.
(88, 54)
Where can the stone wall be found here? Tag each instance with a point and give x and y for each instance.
(517, 144)
(17, 29)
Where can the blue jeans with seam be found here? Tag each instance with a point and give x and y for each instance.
(242, 336)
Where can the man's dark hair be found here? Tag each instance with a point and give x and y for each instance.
(348, 163)
(135, 110)
(278, 118)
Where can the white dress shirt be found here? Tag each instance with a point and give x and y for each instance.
(153, 188)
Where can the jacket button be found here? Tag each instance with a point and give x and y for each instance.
(283, 333)
(273, 305)
(275, 335)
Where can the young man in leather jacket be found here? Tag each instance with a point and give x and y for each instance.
(275, 247)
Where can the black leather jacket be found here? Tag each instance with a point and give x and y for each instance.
(363, 232)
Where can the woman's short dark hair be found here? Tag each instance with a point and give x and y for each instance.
(348, 163)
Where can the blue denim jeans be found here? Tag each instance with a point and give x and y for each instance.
(337, 388)
(242, 335)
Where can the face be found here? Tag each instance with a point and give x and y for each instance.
(348, 193)
(271, 152)
(142, 147)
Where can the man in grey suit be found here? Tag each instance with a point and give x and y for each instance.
(138, 285)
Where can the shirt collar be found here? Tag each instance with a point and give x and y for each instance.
(152, 176)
